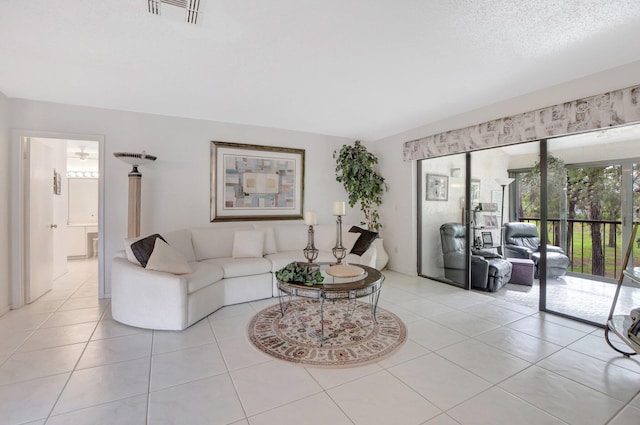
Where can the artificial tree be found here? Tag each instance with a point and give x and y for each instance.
(354, 169)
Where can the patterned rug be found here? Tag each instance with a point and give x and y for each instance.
(351, 337)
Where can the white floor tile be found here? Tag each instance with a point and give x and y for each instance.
(114, 350)
(206, 401)
(329, 378)
(596, 346)
(433, 336)
(465, 323)
(182, 366)
(619, 383)
(317, 409)
(30, 400)
(72, 317)
(364, 406)
(269, 385)
(231, 327)
(129, 411)
(425, 308)
(239, 353)
(628, 416)
(443, 419)
(112, 329)
(486, 361)
(440, 381)
(549, 331)
(563, 398)
(27, 365)
(409, 350)
(11, 341)
(494, 313)
(17, 321)
(103, 384)
(497, 407)
(83, 302)
(198, 334)
(519, 344)
(58, 336)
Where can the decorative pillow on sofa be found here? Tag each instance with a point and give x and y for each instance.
(165, 258)
(364, 241)
(142, 248)
(270, 241)
(248, 244)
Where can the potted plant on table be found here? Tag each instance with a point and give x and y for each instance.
(355, 170)
(299, 273)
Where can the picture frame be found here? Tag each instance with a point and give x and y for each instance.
(255, 182)
(57, 183)
(490, 221)
(437, 187)
(475, 191)
(487, 239)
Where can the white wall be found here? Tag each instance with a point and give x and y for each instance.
(4, 204)
(175, 189)
(398, 210)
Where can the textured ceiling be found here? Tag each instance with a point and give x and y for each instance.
(354, 68)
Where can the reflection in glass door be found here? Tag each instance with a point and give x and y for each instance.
(589, 220)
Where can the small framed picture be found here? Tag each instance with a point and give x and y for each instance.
(475, 191)
(437, 187)
(490, 221)
(487, 239)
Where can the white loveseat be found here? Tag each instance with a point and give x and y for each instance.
(221, 273)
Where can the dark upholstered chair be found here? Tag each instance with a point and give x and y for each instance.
(489, 274)
(521, 241)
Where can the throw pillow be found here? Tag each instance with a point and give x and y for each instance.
(166, 258)
(248, 244)
(365, 240)
(143, 248)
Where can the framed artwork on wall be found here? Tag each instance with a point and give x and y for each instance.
(437, 187)
(254, 182)
(475, 191)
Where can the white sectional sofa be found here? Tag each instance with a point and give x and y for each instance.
(227, 267)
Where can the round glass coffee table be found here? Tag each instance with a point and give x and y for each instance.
(366, 284)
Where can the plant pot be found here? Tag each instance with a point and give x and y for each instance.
(382, 258)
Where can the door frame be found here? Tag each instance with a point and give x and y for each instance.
(18, 210)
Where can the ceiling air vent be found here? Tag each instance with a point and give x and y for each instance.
(191, 8)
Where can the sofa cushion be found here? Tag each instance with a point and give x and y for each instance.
(365, 240)
(270, 241)
(214, 242)
(202, 275)
(248, 244)
(236, 267)
(181, 240)
(165, 258)
(143, 247)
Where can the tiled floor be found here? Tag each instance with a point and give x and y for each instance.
(577, 296)
(469, 359)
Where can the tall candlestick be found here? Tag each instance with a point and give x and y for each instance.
(339, 208)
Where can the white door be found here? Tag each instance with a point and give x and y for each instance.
(40, 226)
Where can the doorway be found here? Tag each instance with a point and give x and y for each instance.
(43, 247)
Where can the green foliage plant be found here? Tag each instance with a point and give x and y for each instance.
(299, 273)
(354, 169)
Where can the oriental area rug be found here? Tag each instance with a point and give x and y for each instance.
(351, 338)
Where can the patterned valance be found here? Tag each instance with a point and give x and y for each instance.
(601, 111)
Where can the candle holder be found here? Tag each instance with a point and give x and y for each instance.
(339, 251)
(310, 252)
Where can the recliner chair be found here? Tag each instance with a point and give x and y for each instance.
(521, 241)
(489, 272)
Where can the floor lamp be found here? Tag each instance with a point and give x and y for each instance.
(135, 180)
(504, 182)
